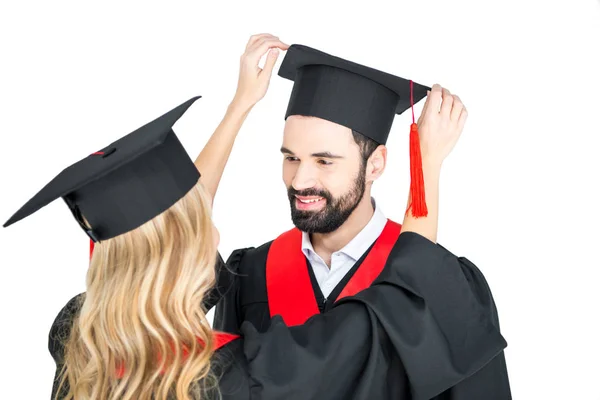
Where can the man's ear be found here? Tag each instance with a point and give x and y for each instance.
(376, 163)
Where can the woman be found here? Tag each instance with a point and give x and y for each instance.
(140, 332)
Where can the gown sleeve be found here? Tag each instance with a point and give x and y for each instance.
(224, 280)
(491, 382)
(59, 334)
(428, 308)
(226, 294)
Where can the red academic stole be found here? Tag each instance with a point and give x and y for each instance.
(289, 290)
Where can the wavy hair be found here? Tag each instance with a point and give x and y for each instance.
(142, 312)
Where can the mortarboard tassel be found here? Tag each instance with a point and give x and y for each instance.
(417, 185)
(91, 248)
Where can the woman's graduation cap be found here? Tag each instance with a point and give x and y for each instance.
(125, 184)
(361, 98)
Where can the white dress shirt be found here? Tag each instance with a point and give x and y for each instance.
(343, 260)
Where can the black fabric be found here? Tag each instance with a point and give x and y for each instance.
(127, 183)
(356, 96)
(319, 296)
(424, 330)
(59, 334)
(245, 291)
(224, 280)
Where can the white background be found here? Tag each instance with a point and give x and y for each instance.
(519, 193)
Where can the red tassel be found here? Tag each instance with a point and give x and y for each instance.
(417, 185)
(418, 205)
(91, 248)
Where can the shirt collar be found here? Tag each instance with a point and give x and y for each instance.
(361, 242)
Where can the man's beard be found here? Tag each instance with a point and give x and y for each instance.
(335, 212)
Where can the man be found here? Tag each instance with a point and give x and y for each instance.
(339, 116)
(337, 123)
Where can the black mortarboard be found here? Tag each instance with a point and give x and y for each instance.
(353, 95)
(127, 183)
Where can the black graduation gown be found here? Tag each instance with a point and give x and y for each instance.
(241, 295)
(443, 335)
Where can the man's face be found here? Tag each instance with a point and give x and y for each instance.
(323, 173)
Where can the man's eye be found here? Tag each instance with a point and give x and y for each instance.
(325, 162)
(290, 158)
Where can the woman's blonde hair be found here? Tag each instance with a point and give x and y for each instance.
(142, 313)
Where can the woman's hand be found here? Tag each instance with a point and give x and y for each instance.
(253, 81)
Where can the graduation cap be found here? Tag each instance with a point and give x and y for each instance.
(126, 184)
(358, 97)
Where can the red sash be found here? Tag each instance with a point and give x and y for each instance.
(289, 290)
(222, 338)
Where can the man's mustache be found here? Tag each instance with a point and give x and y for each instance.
(309, 192)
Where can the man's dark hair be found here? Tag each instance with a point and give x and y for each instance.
(366, 145)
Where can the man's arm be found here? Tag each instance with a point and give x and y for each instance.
(252, 86)
(440, 126)
(426, 226)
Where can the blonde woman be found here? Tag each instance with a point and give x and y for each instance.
(140, 330)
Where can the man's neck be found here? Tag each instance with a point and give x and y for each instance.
(325, 244)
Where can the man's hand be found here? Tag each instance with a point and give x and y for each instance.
(253, 81)
(440, 125)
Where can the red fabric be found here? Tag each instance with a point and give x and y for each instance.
(223, 338)
(375, 261)
(91, 248)
(288, 283)
(289, 289)
(418, 204)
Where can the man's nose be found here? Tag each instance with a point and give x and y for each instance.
(304, 178)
